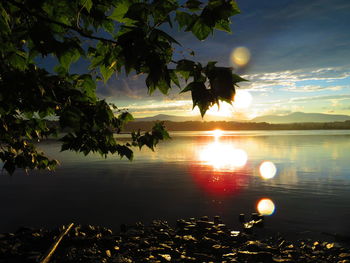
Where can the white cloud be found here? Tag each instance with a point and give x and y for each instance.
(313, 88)
(323, 97)
(334, 73)
(291, 80)
(159, 106)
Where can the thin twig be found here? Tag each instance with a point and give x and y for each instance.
(49, 253)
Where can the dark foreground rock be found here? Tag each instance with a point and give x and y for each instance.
(192, 240)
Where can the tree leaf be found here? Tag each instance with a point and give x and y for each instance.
(106, 72)
(125, 151)
(224, 25)
(159, 132)
(237, 78)
(138, 12)
(235, 8)
(201, 97)
(88, 86)
(18, 60)
(200, 29)
(108, 25)
(120, 10)
(185, 65)
(193, 5)
(87, 4)
(174, 78)
(166, 36)
(185, 20)
(4, 20)
(68, 56)
(222, 83)
(125, 117)
(189, 87)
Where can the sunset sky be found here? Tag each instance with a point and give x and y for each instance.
(300, 61)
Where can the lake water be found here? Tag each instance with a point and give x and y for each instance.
(194, 174)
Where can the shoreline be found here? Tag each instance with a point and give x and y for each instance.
(237, 126)
(191, 240)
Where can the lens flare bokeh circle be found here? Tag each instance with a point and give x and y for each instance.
(240, 56)
(267, 170)
(266, 207)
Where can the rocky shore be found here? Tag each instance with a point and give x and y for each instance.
(191, 240)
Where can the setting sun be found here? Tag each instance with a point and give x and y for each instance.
(242, 100)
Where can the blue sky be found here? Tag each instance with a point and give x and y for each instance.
(300, 61)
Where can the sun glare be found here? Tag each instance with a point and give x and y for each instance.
(267, 170)
(225, 110)
(222, 156)
(242, 99)
(266, 207)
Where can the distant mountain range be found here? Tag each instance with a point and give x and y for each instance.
(296, 117)
(164, 117)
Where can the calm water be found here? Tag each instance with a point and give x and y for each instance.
(193, 174)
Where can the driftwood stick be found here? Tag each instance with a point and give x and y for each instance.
(49, 253)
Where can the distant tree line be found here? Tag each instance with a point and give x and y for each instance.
(224, 125)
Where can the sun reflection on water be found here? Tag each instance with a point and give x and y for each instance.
(217, 133)
(222, 156)
(219, 167)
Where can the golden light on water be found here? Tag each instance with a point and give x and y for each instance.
(240, 56)
(217, 133)
(266, 207)
(222, 156)
(242, 100)
(241, 157)
(267, 170)
(219, 168)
